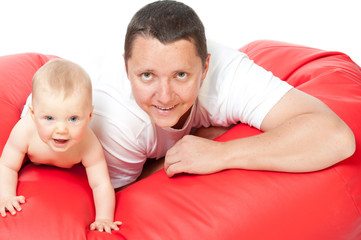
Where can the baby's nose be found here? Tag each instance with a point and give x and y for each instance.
(61, 128)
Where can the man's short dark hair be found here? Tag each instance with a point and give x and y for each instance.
(167, 21)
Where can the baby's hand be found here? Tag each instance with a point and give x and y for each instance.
(105, 225)
(11, 205)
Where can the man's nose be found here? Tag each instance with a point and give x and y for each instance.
(164, 91)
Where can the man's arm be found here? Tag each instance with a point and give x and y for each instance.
(301, 134)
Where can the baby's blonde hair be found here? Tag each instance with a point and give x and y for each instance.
(62, 76)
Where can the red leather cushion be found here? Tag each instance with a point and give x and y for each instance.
(16, 72)
(233, 204)
(59, 205)
(240, 204)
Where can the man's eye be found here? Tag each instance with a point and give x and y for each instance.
(182, 75)
(73, 119)
(49, 118)
(147, 76)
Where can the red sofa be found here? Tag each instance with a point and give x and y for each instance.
(232, 204)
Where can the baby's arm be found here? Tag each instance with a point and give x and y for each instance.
(10, 162)
(103, 191)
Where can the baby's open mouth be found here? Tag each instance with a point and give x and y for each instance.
(60, 141)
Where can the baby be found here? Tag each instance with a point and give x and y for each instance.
(55, 132)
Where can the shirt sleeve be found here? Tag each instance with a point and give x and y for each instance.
(238, 90)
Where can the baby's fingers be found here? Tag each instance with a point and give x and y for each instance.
(21, 199)
(3, 211)
(105, 226)
(114, 225)
(10, 208)
(16, 204)
(12, 205)
(92, 227)
(97, 226)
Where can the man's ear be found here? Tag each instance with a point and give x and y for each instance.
(125, 64)
(206, 66)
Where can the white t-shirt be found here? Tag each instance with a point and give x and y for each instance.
(235, 90)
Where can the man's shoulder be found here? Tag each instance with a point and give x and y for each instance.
(119, 117)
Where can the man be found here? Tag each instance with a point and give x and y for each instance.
(176, 84)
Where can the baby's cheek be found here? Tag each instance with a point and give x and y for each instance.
(44, 135)
(78, 134)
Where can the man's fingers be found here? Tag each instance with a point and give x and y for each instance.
(173, 169)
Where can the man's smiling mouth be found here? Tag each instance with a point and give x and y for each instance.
(164, 109)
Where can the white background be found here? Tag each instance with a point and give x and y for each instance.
(81, 29)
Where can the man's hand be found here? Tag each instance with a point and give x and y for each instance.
(194, 155)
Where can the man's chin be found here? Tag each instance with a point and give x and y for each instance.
(164, 124)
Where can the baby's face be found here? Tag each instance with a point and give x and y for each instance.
(61, 122)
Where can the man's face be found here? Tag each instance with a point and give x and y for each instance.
(166, 78)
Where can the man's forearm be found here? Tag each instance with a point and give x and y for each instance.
(305, 143)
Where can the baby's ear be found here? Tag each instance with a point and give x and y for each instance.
(91, 112)
(31, 109)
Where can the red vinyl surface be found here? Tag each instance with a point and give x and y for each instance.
(232, 204)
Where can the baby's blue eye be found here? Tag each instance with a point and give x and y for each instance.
(73, 119)
(49, 118)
